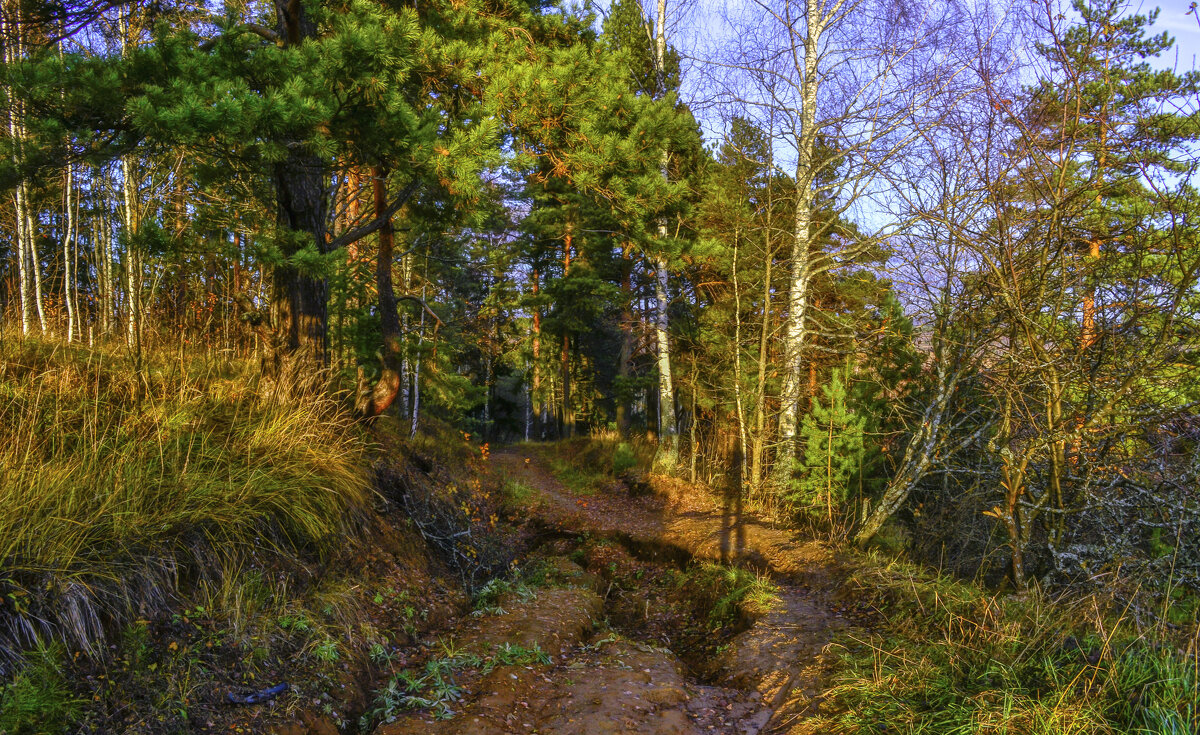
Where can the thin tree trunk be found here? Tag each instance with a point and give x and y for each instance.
(568, 414)
(666, 392)
(104, 271)
(794, 334)
(739, 406)
(802, 251)
(35, 263)
(130, 185)
(11, 30)
(758, 449)
(416, 384)
(132, 261)
(375, 401)
(68, 240)
(528, 410)
(536, 392)
(692, 430)
(625, 358)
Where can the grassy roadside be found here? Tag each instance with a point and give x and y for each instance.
(115, 483)
(149, 523)
(950, 657)
(945, 656)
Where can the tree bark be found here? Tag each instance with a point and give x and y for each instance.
(376, 400)
(667, 429)
(625, 358)
(68, 240)
(301, 298)
(568, 413)
(802, 236)
(536, 390)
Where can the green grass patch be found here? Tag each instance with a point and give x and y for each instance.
(38, 699)
(580, 480)
(587, 465)
(517, 494)
(115, 480)
(623, 459)
(951, 658)
(434, 686)
(732, 595)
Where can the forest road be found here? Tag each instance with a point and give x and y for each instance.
(610, 671)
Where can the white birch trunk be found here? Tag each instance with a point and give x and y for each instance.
(132, 261)
(35, 265)
(130, 223)
(666, 390)
(802, 252)
(528, 407)
(68, 238)
(23, 238)
(416, 386)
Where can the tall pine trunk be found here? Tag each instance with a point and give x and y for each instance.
(300, 298)
(625, 358)
(568, 413)
(376, 400)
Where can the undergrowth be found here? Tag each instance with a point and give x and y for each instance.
(117, 482)
(731, 594)
(434, 686)
(587, 465)
(38, 699)
(948, 657)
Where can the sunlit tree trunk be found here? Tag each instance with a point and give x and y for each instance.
(536, 392)
(130, 221)
(25, 250)
(416, 371)
(625, 357)
(739, 406)
(802, 236)
(758, 446)
(668, 434)
(68, 247)
(376, 400)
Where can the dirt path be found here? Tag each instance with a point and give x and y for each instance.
(778, 657)
(607, 670)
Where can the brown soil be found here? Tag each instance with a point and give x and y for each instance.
(628, 652)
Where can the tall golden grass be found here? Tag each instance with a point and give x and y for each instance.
(119, 482)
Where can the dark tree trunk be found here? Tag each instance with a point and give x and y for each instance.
(625, 359)
(300, 298)
(568, 411)
(375, 401)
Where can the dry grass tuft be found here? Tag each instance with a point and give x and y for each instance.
(116, 483)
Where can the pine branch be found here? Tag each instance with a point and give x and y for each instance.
(357, 234)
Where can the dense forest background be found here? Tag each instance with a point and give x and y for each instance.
(928, 271)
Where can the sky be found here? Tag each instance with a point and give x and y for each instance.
(694, 28)
(1173, 18)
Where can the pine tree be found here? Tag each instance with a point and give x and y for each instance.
(832, 434)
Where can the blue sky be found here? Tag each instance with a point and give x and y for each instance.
(1173, 18)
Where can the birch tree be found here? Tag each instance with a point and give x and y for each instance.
(838, 80)
(14, 31)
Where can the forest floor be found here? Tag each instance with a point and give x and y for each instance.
(623, 641)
